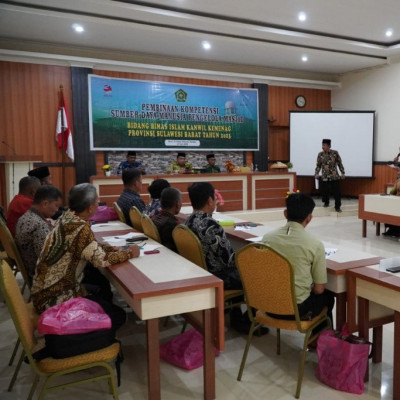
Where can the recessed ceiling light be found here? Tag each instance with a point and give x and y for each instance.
(389, 32)
(206, 45)
(78, 28)
(304, 58)
(302, 16)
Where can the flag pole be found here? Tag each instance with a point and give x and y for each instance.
(63, 143)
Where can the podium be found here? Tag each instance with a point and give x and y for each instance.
(12, 169)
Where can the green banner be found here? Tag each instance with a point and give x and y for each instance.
(129, 114)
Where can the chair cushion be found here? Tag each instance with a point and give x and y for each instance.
(264, 319)
(50, 365)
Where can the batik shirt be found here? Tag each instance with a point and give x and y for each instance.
(30, 235)
(218, 252)
(153, 208)
(187, 167)
(208, 169)
(328, 164)
(128, 199)
(67, 250)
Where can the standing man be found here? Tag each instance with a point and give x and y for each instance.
(132, 180)
(211, 168)
(306, 254)
(328, 161)
(130, 163)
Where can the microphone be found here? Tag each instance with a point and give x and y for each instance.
(10, 147)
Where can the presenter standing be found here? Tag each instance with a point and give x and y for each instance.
(328, 162)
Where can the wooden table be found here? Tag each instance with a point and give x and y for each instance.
(163, 284)
(369, 287)
(378, 208)
(337, 265)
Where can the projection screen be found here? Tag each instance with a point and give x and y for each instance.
(351, 132)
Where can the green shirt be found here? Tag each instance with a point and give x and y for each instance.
(208, 169)
(305, 253)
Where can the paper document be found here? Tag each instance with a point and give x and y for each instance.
(316, 183)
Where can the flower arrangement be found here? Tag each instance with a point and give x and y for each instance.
(106, 168)
(229, 165)
(291, 192)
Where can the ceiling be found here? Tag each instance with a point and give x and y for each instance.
(338, 36)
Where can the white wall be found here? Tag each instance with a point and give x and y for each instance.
(376, 90)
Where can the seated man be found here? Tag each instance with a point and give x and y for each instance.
(33, 227)
(165, 221)
(155, 189)
(21, 202)
(306, 254)
(42, 173)
(181, 166)
(130, 163)
(67, 250)
(218, 252)
(211, 168)
(132, 180)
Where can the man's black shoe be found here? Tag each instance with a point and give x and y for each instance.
(338, 210)
(326, 205)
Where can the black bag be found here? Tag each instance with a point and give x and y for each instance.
(63, 346)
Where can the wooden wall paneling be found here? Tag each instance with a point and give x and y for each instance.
(355, 186)
(28, 112)
(280, 103)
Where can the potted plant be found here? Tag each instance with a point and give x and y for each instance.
(289, 165)
(107, 169)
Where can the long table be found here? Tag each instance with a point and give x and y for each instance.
(379, 208)
(164, 284)
(368, 287)
(337, 265)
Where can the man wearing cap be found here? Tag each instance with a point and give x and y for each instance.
(181, 166)
(211, 168)
(328, 161)
(131, 163)
(43, 174)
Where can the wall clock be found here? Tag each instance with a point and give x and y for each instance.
(300, 101)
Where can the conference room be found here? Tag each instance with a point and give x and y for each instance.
(278, 84)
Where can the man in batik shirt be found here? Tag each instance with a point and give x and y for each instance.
(220, 257)
(328, 161)
(33, 227)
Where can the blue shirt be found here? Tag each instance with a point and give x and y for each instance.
(126, 164)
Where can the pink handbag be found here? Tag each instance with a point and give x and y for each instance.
(341, 363)
(76, 315)
(185, 351)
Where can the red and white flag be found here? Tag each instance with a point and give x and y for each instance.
(63, 133)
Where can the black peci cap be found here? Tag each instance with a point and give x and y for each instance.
(326, 141)
(181, 155)
(40, 173)
(210, 156)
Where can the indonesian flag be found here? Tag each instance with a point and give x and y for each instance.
(63, 131)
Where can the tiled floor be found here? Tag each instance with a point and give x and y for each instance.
(266, 376)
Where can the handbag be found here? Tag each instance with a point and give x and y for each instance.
(342, 361)
(185, 350)
(74, 316)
